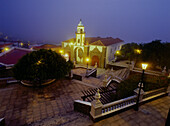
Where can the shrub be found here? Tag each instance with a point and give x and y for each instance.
(41, 65)
(125, 88)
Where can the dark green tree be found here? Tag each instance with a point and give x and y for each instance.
(156, 53)
(41, 65)
(128, 51)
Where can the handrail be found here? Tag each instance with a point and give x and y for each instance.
(148, 92)
(121, 104)
(119, 101)
(83, 102)
(91, 71)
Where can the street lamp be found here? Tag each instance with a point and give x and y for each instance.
(138, 51)
(66, 57)
(21, 44)
(144, 66)
(61, 51)
(117, 52)
(6, 48)
(87, 60)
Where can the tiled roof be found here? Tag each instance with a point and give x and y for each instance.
(46, 46)
(13, 56)
(4, 45)
(99, 41)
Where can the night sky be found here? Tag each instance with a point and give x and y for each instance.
(54, 21)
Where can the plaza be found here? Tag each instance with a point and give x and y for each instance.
(53, 105)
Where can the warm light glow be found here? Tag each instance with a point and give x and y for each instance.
(61, 51)
(66, 55)
(21, 44)
(39, 62)
(144, 66)
(71, 43)
(6, 49)
(117, 52)
(87, 59)
(138, 51)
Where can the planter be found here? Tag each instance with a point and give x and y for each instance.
(28, 83)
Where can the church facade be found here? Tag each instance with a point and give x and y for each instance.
(99, 50)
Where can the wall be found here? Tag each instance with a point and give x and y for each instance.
(111, 50)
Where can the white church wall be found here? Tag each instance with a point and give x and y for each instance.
(111, 50)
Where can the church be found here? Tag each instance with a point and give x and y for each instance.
(99, 50)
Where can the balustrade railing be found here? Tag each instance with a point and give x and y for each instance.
(120, 104)
(154, 93)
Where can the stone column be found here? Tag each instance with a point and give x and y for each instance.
(95, 65)
(96, 106)
(105, 80)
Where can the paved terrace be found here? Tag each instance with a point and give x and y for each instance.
(150, 114)
(22, 105)
(53, 105)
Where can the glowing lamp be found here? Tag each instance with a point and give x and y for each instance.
(138, 51)
(71, 43)
(118, 52)
(66, 55)
(39, 62)
(21, 44)
(87, 59)
(6, 49)
(144, 66)
(61, 51)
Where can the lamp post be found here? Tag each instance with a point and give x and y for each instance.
(144, 66)
(87, 60)
(66, 57)
(61, 51)
(6, 48)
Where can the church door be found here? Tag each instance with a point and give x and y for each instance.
(94, 60)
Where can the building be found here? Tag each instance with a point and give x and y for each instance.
(98, 50)
(55, 48)
(6, 46)
(12, 56)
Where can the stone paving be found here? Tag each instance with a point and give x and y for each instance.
(150, 114)
(22, 105)
(53, 105)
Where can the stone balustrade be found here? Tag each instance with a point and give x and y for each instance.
(117, 105)
(99, 111)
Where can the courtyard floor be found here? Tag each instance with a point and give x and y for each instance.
(22, 105)
(53, 105)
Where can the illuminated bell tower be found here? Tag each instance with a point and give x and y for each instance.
(80, 34)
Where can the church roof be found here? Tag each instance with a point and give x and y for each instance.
(99, 41)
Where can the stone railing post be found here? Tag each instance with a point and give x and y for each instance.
(96, 106)
(95, 65)
(136, 91)
(105, 80)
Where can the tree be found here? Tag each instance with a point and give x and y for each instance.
(156, 53)
(41, 65)
(128, 51)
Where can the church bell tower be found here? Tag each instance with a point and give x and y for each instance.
(80, 34)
